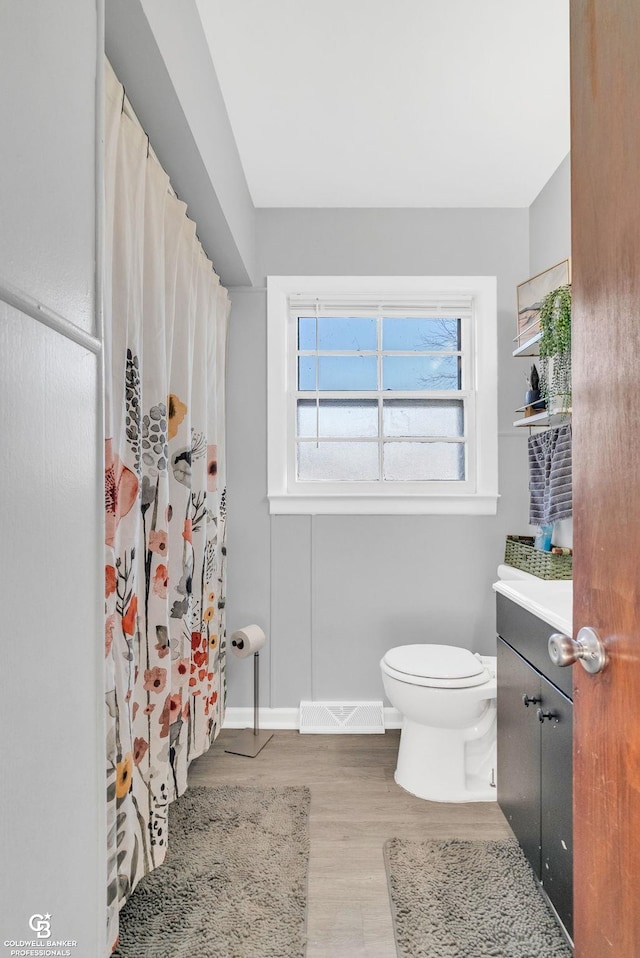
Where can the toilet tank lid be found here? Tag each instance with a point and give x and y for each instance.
(434, 661)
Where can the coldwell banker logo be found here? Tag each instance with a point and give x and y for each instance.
(41, 924)
(42, 946)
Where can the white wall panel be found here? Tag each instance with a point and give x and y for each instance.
(52, 818)
(47, 118)
(51, 806)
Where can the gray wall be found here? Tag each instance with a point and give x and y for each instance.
(52, 793)
(549, 243)
(550, 221)
(333, 593)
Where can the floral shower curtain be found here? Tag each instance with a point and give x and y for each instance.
(165, 334)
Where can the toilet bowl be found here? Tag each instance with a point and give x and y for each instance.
(447, 698)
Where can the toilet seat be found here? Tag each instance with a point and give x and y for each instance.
(435, 666)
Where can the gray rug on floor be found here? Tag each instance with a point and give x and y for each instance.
(234, 884)
(461, 899)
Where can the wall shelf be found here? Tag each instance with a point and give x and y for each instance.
(548, 417)
(530, 348)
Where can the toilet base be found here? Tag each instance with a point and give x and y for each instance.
(449, 765)
(437, 794)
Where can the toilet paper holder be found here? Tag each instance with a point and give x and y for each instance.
(249, 742)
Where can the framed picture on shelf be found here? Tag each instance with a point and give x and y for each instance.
(530, 295)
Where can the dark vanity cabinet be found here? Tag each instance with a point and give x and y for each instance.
(535, 751)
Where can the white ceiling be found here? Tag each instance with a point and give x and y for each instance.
(407, 103)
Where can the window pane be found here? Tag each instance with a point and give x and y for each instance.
(421, 461)
(421, 372)
(338, 372)
(415, 335)
(338, 417)
(336, 332)
(357, 333)
(423, 417)
(348, 372)
(307, 372)
(306, 332)
(338, 461)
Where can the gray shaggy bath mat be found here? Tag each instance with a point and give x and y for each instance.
(234, 884)
(460, 899)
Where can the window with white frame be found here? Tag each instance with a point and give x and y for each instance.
(382, 394)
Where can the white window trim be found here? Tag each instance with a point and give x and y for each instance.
(290, 497)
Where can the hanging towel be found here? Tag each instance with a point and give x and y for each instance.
(559, 498)
(550, 476)
(537, 446)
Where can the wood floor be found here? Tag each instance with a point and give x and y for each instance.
(355, 807)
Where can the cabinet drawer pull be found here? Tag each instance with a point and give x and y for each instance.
(542, 715)
(528, 700)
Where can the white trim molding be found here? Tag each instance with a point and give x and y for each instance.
(287, 718)
(474, 298)
(365, 505)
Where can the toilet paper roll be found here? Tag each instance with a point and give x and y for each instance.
(247, 640)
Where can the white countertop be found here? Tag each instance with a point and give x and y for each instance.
(550, 600)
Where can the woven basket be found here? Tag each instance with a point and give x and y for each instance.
(520, 553)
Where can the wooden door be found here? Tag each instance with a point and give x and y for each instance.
(605, 81)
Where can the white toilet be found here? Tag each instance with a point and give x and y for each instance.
(447, 698)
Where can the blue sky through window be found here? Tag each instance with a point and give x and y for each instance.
(420, 372)
(419, 335)
(400, 373)
(338, 373)
(339, 333)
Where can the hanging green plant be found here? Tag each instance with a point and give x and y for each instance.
(555, 347)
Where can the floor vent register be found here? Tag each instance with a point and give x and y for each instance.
(342, 717)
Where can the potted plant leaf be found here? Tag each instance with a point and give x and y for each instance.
(555, 349)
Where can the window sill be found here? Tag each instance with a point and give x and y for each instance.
(372, 505)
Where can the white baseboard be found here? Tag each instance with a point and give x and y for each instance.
(287, 718)
(269, 718)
